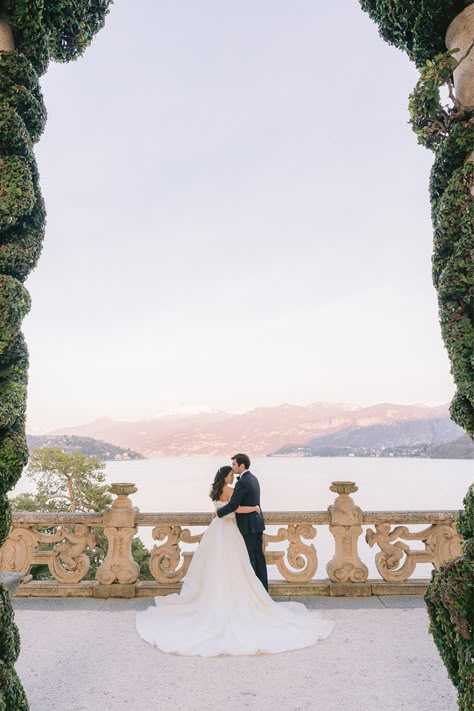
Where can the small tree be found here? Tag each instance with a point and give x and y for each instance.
(73, 482)
(68, 482)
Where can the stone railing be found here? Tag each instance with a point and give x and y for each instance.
(60, 540)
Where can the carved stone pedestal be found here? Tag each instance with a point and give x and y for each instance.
(120, 528)
(345, 526)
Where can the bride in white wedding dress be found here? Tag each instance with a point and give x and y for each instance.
(223, 607)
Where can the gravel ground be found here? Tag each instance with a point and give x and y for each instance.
(84, 655)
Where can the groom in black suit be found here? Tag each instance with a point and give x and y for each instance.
(252, 525)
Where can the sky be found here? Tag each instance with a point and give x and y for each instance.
(238, 216)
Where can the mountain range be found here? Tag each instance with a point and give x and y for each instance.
(87, 445)
(265, 430)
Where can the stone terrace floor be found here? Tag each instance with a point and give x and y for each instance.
(84, 655)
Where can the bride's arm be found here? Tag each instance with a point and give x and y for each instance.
(248, 509)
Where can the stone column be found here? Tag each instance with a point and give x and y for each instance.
(120, 528)
(345, 526)
(6, 38)
(460, 35)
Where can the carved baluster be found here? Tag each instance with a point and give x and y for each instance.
(119, 528)
(441, 543)
(16, 554)
(165, 558)
(389, 560)
(67, 562)
(345, 526)
(299, 555)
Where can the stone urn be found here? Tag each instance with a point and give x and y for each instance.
(122, 491)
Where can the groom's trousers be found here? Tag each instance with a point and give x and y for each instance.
(254, 543)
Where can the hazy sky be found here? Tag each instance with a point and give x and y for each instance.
(238, 215)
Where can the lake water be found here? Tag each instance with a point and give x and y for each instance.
(300, 484)
(182, 484)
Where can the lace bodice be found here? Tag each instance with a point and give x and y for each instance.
(219, 505)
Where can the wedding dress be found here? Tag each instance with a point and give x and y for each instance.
(224, 609)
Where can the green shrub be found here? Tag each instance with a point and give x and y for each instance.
(449, 599)
(416, 26)
(58, 30)
(419, 27)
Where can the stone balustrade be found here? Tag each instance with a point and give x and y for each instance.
(60, 540)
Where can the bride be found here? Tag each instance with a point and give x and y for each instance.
(223, 607)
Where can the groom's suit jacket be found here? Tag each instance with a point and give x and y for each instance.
(246, 493)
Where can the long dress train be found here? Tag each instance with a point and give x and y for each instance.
(224, 609)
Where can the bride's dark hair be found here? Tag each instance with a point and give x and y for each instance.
(218, 483)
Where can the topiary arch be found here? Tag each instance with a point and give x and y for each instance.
(32, 32)
(420, 28)
(424, 29)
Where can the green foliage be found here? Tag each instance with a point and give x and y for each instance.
(15, 354)
(5, 518)
(13, 456)
(54, 29)
(17, 190)
(449, 600)
(11, 693)
(465, 517)
(416, 26)
(42, 29)
(21, 245)
(452, 183)
(461, 411)
(70, 482)
(430, 120)
(419, 27)
(71, 26)
(9, 637)
(66, 482)
(141, 555)
(20, 91)
(31, 39)
(12, 696)
(450, 155)
(73, 479)
(13, 382)
(14, 305)
(14, 136)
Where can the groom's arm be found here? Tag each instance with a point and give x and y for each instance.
(234, 501)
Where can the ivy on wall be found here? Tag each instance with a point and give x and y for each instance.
(419, 27)
(416, 26)
(450, 599)
(448, 130)
(444, 126)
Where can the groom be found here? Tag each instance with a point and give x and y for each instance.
(252, 525)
